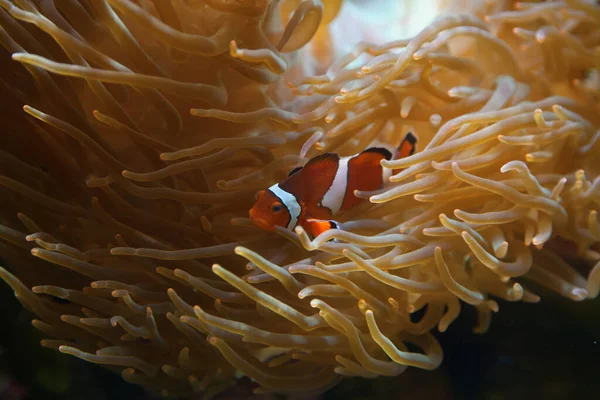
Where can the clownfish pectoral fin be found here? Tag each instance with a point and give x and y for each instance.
(318, 226)
(407, 147)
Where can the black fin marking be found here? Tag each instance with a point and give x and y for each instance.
(293, 171)
(381, 150)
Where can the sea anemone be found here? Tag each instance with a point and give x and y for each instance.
(148, 126)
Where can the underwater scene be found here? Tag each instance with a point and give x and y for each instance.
(299, 199)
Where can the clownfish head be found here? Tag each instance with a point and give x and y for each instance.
(268, 211)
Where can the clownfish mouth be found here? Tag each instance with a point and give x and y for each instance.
(260, 222)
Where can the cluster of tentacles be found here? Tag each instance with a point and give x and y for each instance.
(149, 125)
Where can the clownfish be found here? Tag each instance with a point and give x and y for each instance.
(311, 195)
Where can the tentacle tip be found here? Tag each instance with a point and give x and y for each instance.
(293, 269)
(374, 199)
(212, 340)
(540, 37)
(536, 241)
(579, 294)
(239, 250)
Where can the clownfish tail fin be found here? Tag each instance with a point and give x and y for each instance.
(407, 146)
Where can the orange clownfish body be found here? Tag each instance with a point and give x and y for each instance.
(311, 195)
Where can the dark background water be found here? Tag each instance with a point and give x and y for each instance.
(549, 350)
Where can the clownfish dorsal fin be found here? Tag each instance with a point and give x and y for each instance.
(293, 171)
(317, 164)
(323, 158)
(321, 162)
(314, 179)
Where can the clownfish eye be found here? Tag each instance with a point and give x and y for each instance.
(276, 208)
